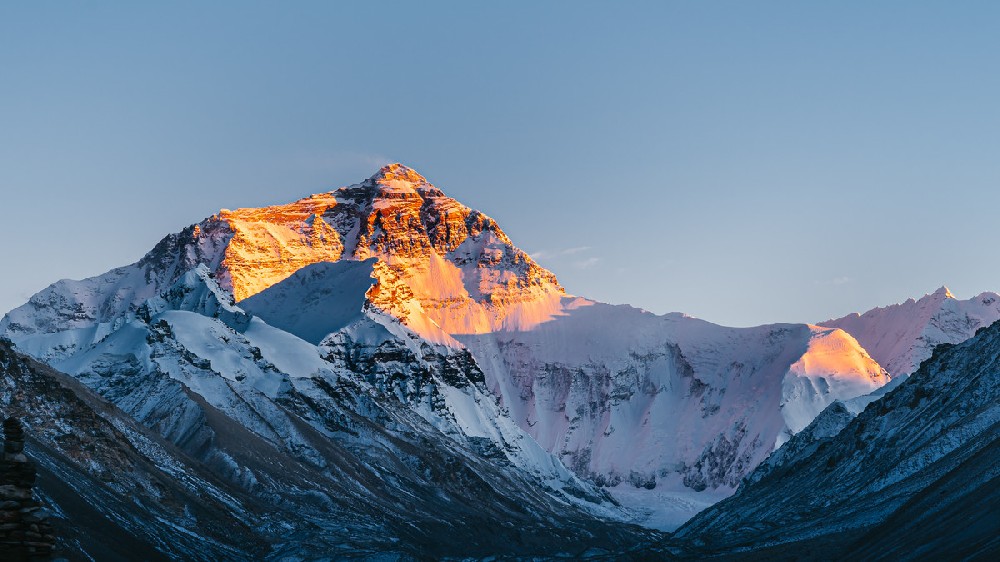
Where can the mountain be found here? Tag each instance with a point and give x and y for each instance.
(349, 331)
(899, 337)
(914, 475)
(441, 267)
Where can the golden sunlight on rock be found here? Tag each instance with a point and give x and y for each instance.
(443, 268)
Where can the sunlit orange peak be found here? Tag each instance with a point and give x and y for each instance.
(945, 291)
(398, 172)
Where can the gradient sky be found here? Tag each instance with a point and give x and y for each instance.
(742, 162)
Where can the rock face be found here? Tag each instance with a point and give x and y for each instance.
(901, 336)
(25, 533)
(627, 397)
(915, 475)
(442, 268)
(386, 301)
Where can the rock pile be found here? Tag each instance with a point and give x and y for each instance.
(25, 534)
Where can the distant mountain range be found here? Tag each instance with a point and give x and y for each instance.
(901, 336)
(916, 475)
(379, 369)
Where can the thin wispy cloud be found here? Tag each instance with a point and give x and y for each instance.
(841, 280)
(544, 254)
(337, 161)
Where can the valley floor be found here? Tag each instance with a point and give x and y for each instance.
(665, 508)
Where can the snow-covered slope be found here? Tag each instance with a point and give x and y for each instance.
(900, 336)
(116, 490)
(374, 441)
(914, 476)
(423, 308)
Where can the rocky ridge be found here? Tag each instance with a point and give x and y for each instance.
(115, 490)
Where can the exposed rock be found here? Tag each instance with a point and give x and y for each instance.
(25, 532)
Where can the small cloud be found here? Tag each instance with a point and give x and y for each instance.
(575, 256)
(544, 254)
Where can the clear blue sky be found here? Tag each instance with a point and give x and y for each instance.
(744, 162)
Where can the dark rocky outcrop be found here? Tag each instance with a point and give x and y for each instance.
(25, 533)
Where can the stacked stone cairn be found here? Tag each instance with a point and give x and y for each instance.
(25, 534)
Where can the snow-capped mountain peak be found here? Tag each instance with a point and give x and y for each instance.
(397, 172)
(901, 336)
(441, 267)
(945, 292)
(461, 273)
